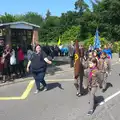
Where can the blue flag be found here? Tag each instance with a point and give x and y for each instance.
(97, 40)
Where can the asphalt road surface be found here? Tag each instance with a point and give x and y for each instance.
(60, 101)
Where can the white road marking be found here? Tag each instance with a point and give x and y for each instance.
(109, 98)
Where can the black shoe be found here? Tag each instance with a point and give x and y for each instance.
(100, 87)
(103, 90)
(90, 112)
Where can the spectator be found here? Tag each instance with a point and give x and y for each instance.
(107, 51)
(13, 64)
(21, 61)
(38, 64)
(71, 54)
(29, 52)
(6, 63)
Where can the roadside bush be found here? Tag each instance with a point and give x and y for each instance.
(90, 41)
(116, 47)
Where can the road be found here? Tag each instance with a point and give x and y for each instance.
(60, 101)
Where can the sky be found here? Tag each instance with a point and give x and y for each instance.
(56, 7)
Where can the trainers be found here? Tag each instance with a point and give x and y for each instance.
(77, 93)
(90, 112)
(45, 88)
(37, 91)
(103, 90)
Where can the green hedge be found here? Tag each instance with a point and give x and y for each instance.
(90, 41)
(116, 47)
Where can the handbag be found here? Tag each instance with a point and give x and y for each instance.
(13, 59)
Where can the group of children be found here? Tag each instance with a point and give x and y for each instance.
(96, 71)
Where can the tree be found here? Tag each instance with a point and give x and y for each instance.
(108, 12)
(81, 6)
(67, 20)
(34, 18)
(7, 18)
(50, 29)
(48, 14)
(70, 35)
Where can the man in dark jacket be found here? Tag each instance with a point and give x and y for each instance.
(71, 53)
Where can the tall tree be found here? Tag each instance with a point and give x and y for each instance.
(34, 18)
(81, 6)
(108, 12)
(50, 29)
(48, 14)
(7, 18)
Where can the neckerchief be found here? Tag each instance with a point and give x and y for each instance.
(91, 73)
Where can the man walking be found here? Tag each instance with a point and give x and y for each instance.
(71, 53)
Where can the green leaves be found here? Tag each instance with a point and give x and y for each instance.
(81, 6)
(7, 18)
(108, 12)
(80, 24)
(90, 41)
(71, 34)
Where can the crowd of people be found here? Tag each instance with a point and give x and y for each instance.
(12, 60)
(12, 63)
(95, 67)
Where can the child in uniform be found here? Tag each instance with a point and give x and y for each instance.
(104, 67)
(93, 76)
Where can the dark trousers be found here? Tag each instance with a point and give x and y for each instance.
(14, 69)
(39, 78)
(71, 61)
(79, 84)
(6, 70)
(21, 67)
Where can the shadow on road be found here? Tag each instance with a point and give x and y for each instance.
(98, 99)
(54, 85)
(107, 86)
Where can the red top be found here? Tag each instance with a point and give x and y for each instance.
(20, 55)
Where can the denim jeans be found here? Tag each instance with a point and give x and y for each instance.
(39, 78)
